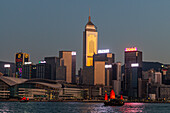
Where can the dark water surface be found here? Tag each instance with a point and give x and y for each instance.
(81, 107)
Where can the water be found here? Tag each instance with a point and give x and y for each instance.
(80, 107)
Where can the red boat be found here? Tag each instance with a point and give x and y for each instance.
(24, 99)
(113, 101)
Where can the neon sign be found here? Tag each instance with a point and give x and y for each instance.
(73, 53)
(135, 65)
(103, 51)
(131, 49)
(28, 63)
(42, 62)
(108, 66)
(7, 65)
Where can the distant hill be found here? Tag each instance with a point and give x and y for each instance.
(151, 65)
(148, 65)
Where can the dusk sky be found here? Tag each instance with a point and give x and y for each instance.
(44, 27)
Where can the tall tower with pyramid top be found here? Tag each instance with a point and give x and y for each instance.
(90, 43)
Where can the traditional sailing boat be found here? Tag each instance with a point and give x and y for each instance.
(113, 101)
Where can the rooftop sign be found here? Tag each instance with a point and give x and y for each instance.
(7, 65)
(73, 53)
(108, 66)
(42, 62)
(28, 63)
(135, 65)
(103, 51)
(131, 49)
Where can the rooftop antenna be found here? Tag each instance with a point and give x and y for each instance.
(89, 15)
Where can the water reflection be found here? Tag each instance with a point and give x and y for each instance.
(80, 107)
(132, 107)
(4, 107)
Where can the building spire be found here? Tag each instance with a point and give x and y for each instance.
(89, 15)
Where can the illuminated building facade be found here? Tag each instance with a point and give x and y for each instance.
(68, 59)
(20, 59)
(133, 71)
(90, 43)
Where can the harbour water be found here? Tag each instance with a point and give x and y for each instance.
(81, 107)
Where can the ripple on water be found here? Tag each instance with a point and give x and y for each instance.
(80, 107)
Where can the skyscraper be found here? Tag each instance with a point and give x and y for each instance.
(53, 62)
(69, 60)
(20, 59)
(133, 71)
(116, 77)
(103, 71)
(29, 70)
(90, 43)
(43, 70)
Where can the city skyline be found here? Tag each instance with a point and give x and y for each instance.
(42, 28)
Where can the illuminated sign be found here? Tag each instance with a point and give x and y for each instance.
(164, 70)
(103, 51)
(42, 62)
(19, 55)
(28, 63)
(20, 70)
(7, 65)
(131, 49)
(108, 66)
(18, 60)
(73, 53)
(135, 65)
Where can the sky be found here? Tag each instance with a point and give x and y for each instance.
(44, 27)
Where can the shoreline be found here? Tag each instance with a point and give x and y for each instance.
(89, 101)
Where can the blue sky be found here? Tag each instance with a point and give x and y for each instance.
(44, 27)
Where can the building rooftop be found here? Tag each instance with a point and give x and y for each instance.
(12, 80)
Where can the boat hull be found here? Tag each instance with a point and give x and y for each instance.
(114, 103)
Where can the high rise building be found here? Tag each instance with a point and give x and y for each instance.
(101, 71)
(29, 70)
(53, 62)
(20, 59)
(43, 70)
(158, 77)
(68, 58)
(90, 43)
(7, 67)
(133, 71)
(107, 58)
(116, 77)
(7, 71)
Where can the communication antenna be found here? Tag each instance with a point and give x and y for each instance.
(89, 15)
